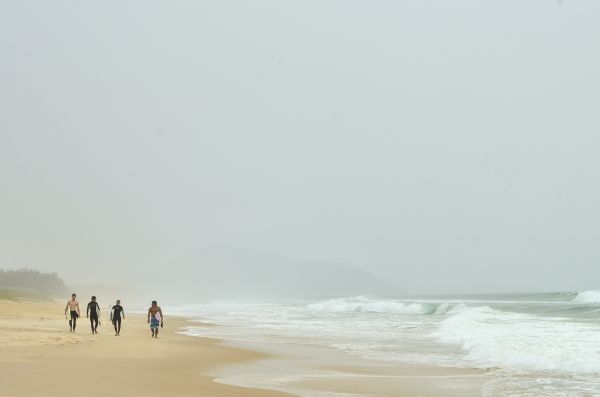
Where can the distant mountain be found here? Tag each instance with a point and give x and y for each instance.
(240, 274)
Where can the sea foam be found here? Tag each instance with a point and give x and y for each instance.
(366, 305)
(542, 345)
(493, 338)
(587, 297)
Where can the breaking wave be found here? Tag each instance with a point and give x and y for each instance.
(587, 297)
(366, 305)
(493, 338)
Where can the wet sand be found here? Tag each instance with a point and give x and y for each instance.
(318, 371)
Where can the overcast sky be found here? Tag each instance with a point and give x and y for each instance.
(446, 146)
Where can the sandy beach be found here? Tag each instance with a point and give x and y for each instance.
(38, 356)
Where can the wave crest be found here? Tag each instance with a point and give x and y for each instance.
(516, 340)
(587, 297)
(366, 305)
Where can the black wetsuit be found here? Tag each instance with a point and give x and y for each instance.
(116, 317)
(93, 308)
(73, 320)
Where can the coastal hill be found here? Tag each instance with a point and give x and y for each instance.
(207, 274)
(232, 274)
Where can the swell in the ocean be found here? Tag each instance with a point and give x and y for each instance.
(552, 338)
(363, 304)
(493, 338)
(587, 297)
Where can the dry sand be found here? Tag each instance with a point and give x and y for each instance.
(38, 356)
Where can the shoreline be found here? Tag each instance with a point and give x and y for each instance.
(310, 370)
(38, 356)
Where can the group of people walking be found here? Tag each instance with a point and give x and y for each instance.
(117, 314)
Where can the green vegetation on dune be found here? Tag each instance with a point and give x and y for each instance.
(10, 295)
(18, 295)
(29, 284)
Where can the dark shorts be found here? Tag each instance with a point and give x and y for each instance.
(154, 323)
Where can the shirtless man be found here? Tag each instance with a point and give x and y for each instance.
(93, 312)
(73, 307)
(155, 317)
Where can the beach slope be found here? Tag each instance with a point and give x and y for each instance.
(38, 356)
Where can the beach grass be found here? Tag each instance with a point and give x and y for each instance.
(19, 295)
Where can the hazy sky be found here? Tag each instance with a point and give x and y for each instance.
(446, 146)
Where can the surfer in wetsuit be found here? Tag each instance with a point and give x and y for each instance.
(73, 307)
(115, 317)
(155, 317)
(93, 311)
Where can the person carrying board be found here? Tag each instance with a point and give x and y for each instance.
(73, 308)
(115, 317)
(93, 313)
(155, 318)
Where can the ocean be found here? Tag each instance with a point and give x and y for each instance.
(524, 344)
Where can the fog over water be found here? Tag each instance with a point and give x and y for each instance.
(443, 147)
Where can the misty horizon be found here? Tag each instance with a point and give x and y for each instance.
(439, 149)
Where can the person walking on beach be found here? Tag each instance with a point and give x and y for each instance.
(115, 317)
(155, 318)
(73, 307)
(93, 312)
